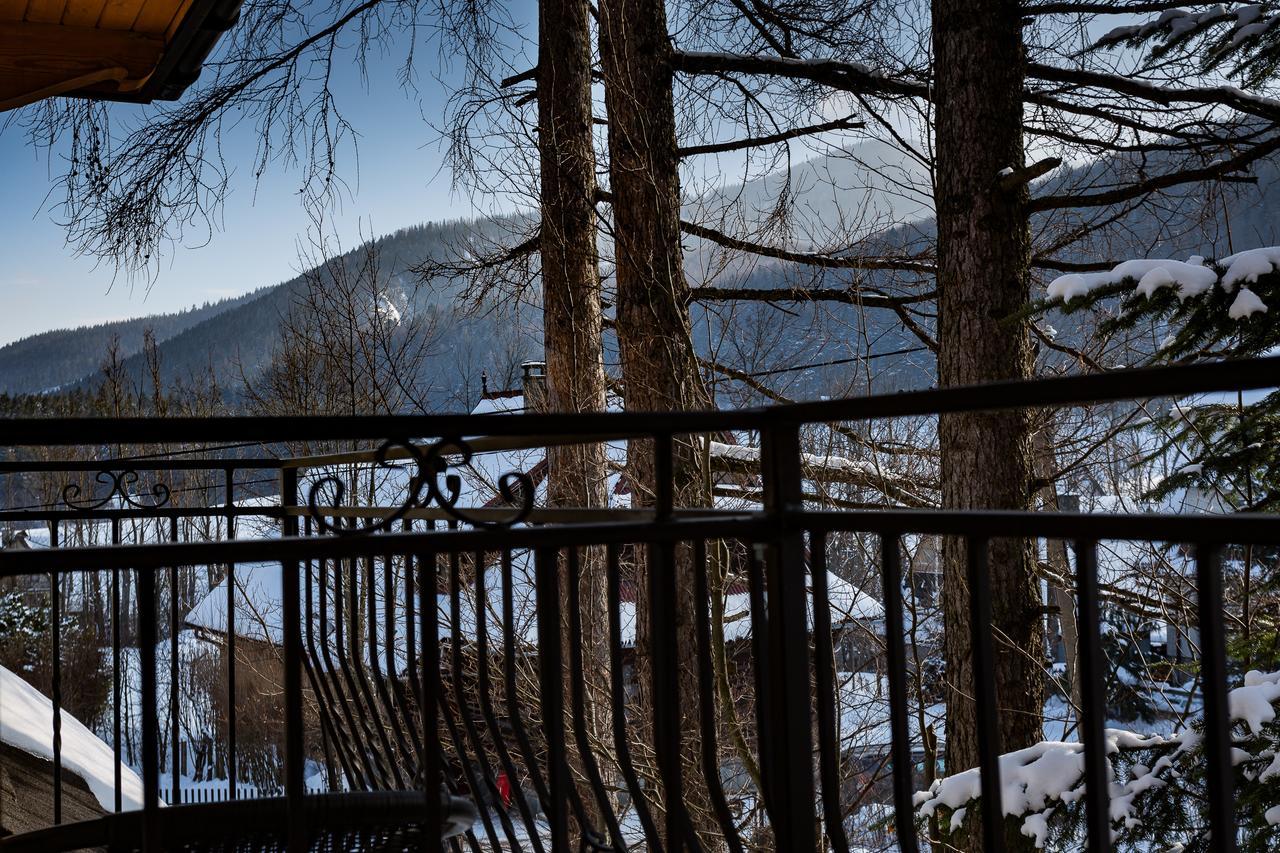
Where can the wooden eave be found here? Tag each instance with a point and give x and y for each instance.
(120, 50)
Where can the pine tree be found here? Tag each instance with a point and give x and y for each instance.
(1241, 41)
(1210, 309)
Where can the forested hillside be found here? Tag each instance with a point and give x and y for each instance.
(49, 360)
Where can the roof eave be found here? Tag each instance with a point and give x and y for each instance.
(184, 56)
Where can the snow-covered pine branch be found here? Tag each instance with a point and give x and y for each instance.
(1208, 307)
(1043, 785)
(1201, 309)
(1246, 35)
(1189, 278)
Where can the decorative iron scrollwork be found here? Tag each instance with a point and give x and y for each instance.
(119, 483)
(425, 489)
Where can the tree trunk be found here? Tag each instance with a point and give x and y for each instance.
(659, 366)
(983, 261)
(573, 327)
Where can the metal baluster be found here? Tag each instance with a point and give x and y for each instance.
(550, 668)
(294, 745)
(1213, 678)
(509, 676)
(319, 678)
(115, 672)
(358, 661)
(617, 698)
(455, 737)
(354, 683)
(707, 698)
(411, 622)
(429, 703)
(231, 633)
(488, 786)
(895, 646)
(486, 704)
(984, 692)
(146, 607)
(175, 735)
(824, 683)
(664, 661)
(788, 697)
(372, 772)
(55, 608)
(379, 682)
(404, 713)
(577, 687)
(1093, 696)
(761, 673)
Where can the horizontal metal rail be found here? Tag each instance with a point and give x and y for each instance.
(1230, 529)
(1143, 383)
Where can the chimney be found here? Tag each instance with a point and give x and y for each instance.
(535, 386)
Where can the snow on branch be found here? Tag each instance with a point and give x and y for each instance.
(1036, 781)
(824, 469)
(1189, 278)
(1178, 23)
(1220, 32)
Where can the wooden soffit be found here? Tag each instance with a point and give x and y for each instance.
(125, 50)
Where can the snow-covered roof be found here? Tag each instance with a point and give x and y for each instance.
(258, 597)
(862, 706)
(26, 722)
(500, 404)
(259, 613)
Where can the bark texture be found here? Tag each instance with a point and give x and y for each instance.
(983, 263)
(659, 365)
(573, 328)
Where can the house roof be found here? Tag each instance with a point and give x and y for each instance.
(119, 50)
(259, 611)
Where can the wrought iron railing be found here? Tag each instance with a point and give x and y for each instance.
(520, 677)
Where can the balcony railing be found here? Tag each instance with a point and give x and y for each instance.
(466, 663)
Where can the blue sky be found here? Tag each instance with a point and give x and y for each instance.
(399, 182)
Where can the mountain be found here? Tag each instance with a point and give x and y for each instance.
(805, 352)
(50, 360)
(859, 191)
(234, 338)
(238, 342)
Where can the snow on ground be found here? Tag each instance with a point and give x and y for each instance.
(26, 722)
